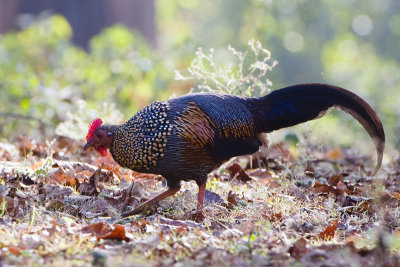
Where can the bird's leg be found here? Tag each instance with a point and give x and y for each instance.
(200, 197)
(148, 204)
(198, 216)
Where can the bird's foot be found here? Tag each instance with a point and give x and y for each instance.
(197, 216)
(146, 206)
(143, 208)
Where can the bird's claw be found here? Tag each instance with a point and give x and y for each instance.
(197, 216)
(141, 208)
(113, 220)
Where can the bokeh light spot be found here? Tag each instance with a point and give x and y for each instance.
(362, 25)
(293, 41)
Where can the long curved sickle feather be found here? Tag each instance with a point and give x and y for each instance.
(303, 102)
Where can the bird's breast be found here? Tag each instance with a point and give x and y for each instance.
(140, 142)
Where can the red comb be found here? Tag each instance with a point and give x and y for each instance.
(96, 123)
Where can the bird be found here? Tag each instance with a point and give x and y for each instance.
(187, 137)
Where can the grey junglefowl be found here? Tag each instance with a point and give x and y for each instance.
(187, 137)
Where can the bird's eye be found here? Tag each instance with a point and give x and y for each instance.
(99, 135)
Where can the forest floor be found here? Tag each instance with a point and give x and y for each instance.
(311, 207)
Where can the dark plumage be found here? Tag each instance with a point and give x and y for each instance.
(187, 137)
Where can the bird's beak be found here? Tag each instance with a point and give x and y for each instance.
(87, 145)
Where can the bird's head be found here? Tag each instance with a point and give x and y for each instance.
(99, 137)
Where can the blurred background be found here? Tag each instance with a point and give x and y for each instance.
(69, 61)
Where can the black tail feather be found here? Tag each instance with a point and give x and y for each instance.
(300, 103)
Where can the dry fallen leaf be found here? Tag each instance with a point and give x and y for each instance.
(27, 146)
(103, 230)
(100, 228)
(259, 173)
(141, 225)
(37, 164)
(388, 200)
(329, 232)
(298, 249)
(15, 250)
(197, 216)
(235, 171)
(233, 199)
(273, 217)
(89, 187)
(341, 188)
(396, 195)
(211, 197)
(59, 175)
(334, 154)
(10, 206)
(270, 183)
(279, 151)
(322, 188)
(117, 232)
(335, 179)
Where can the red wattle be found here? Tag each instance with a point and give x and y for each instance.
(102, 151)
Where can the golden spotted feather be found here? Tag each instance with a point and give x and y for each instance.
(139, 143)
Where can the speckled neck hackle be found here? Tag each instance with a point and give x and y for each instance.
(139, 142)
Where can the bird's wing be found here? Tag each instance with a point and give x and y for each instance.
(221, 124)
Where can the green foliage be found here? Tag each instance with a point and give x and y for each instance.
(44, 76)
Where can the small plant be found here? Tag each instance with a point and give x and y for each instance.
(3, 207)
(247, 76)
